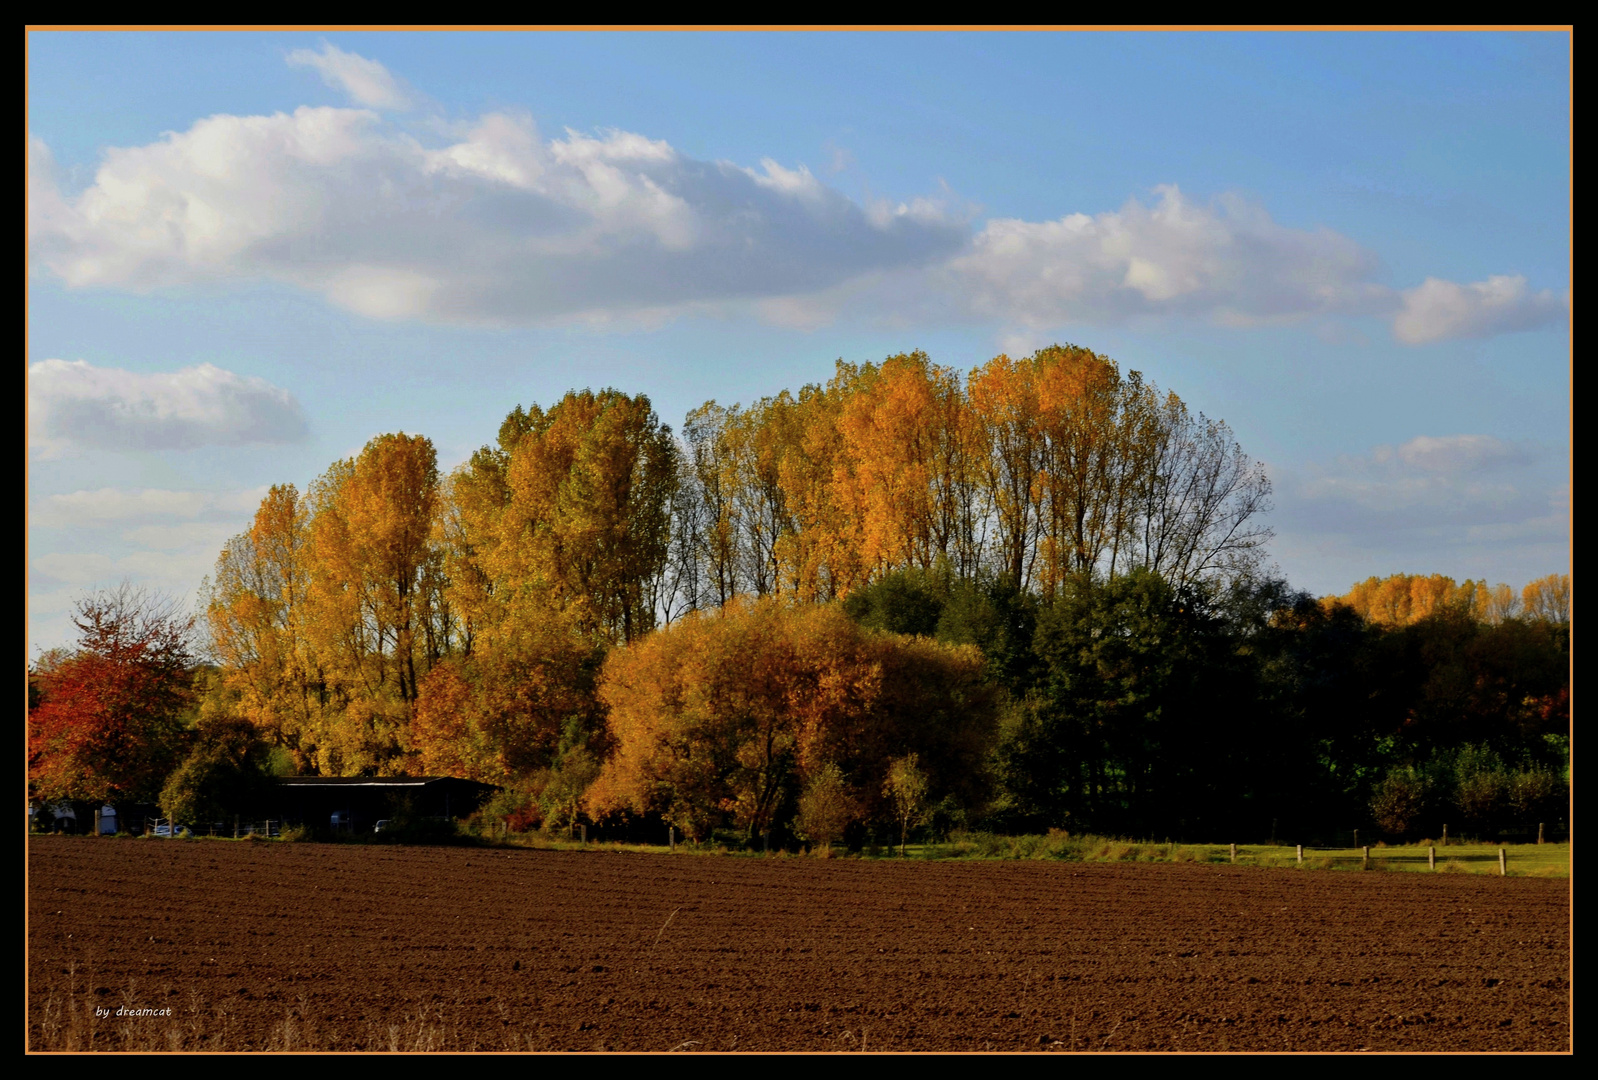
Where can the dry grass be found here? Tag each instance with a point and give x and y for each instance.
(74, 1019)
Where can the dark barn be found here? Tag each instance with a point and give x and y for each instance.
(357, 803)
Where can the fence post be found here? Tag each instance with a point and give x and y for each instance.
(584, 830)
(1539, 832)
(671, 836)
(1431, 858)
(1503, 863)
(1445, 836)
(1301, 854)
(1365, 858)
(1356, 838)
(1234, 853)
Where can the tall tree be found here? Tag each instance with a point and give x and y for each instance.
(591, 486)
(108, 722)
(378, 618)
(256, 611)
(1004, 402)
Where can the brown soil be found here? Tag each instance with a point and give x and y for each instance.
(310, 946)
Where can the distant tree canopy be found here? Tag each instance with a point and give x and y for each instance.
(1401, 599)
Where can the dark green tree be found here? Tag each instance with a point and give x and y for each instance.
(227, 772)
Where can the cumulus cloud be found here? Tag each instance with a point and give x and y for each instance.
(499, 226)
(367, 82)
(1229, 262)
(495, 223)
(1440, 310)
(71, 403)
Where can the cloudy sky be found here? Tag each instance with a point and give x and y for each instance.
(251, 252)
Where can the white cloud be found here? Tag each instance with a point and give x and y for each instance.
(71, 403)
(500, 226)
(1440, 310)
(494, 224)
(48, 214)
(124, 506)
(367, 82)
(1443, 485)
(1228, 262)
(1455, 454)
(73, 568)
(65, 575)
(104, 505)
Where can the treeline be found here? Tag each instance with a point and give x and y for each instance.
(586, 525)
(1401, 599)
(1025, 598)
(1238, 707)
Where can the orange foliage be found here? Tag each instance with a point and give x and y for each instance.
(726, 716)
(1402, 599)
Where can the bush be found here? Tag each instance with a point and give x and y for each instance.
(826, 808)
(1400, 801)
(1537, 796)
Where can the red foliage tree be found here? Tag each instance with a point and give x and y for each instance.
(105, 723)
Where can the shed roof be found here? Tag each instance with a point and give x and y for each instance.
(372, 781)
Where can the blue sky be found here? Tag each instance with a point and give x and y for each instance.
(251, 252)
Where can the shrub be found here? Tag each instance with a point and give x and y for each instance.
(826, 808)
(1400, 801)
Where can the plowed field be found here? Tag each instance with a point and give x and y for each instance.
(297, 946)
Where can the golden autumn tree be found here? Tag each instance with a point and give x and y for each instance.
(255, 611)
(724, 717)
(908, 477)
(1548, 599)
(1402, 599)
(1037, 470)
(1496, 604)
(590, 485)
(824, 555)
(762, 438)
(1084, 461)
(1005, 407)
(377, 618)
(517, 705)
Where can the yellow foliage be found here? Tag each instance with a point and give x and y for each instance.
(1403, 599)
(728, 714)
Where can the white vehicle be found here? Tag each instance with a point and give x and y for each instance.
(382, 826)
